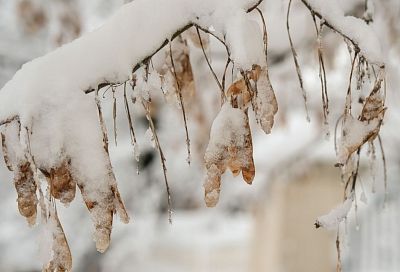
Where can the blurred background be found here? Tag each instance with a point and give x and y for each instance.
(267, 226)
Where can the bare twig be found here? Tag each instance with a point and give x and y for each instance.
(179, 91)
(114, 116)
(228, 61)
(384, 166)
(296, 63)
(322, 73)
(128, 115)
(347, 109)
(339, 259)
(265, 33)
(209, 66)
(162, 159)
(9, 120)
(102, 123)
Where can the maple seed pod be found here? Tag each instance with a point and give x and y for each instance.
(102, 210)
(61, 257)
(62, 185)
(265, 105)
(25, 186)
(212, 186)
(248, 170)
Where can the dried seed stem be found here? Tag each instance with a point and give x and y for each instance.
(181, 103)
(162, 159)
(296, 63)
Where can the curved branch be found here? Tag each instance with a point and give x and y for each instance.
(352, 29)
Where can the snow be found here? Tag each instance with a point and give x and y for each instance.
(245, 40)
(47, 95)
(335, 216)
(355, 133)
(354, 28)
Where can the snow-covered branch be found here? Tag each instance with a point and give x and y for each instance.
(353, 29)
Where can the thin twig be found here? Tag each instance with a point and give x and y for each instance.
(339, 259)
(162, 159)
(209, 65)
(228, 61)
(9, 120)
(296, 63)
(384, 167)
(101, 120)
(322, 73)
(265, 33)
(114, 116)
(128, 115)
(347, 109)
(181, 103)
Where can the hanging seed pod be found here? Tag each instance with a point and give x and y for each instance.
(25, 186)
(230, 146)
(356, 133)
(248, 168)
(373, 108)
(212, 184)
(61, 253)
(102, 205)
(62, 185)
(265, 105)
(101, 208)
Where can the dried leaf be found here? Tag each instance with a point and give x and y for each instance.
(61, 254)
(265, 105)
(102, 205)
(212, 185)
(230, 146)
(25, 186)
(62, 185)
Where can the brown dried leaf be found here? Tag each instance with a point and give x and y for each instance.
(25, 186)
(248, 169)
(61, 254)
(265, 105)
(212, 185)
(373, 108)
(101, 207)
(230, 146)
(62, 185)
(355, 134)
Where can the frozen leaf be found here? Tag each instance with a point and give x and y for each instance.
(62, 185)
(25, 186)
(230, 146)
(264, 101)
(61, 260)
(356, 133)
